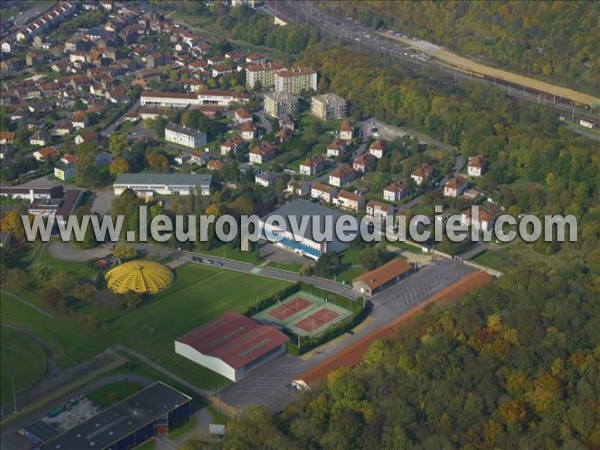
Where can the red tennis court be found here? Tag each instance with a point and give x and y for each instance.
(290, 308)
(316, 320)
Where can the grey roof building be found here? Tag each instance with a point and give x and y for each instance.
(305, 241)
(148, 184)
(157, 408)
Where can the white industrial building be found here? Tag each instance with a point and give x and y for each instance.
(232, 345)
(149, 184)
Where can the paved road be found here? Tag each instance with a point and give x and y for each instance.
(269, 385)
(112, 127)
(278, 274)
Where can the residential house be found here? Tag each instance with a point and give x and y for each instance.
(380, 210)
(40, 138)
(241, 116)
(346, 130)
(395, 191)
(63, 129)
(377, 148)
(283, 135)
(454, 187)
(266, 179)
(298, 188)
(351, 201)
(477, 166)
(336, 149)
(256, 58)
(231, 146)
(364, 162)
(483, 220)
(86, 136)
(46, 154)
(312, 166)
(7, 137)
(248, 131)
(323, 192)
(214, 164)
(79, 120)
(262, 153)
(422, 174)
(341, 176)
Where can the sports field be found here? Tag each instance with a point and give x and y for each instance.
(304, 314)
(25, 356)
(195, 297)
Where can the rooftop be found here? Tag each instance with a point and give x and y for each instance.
(186, 130)
(317, 214)
(235, 339)
(120, 420)
(168, 179)
(383, 274)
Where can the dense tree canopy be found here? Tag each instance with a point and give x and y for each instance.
(546, 39)
(515, 365)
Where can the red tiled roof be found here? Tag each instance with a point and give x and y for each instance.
(235, 339)
(384, 274)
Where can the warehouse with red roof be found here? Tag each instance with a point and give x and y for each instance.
(232, 345)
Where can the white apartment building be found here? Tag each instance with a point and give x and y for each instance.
(328, 107)
(280, 104)
(188, 137)
(295, 81)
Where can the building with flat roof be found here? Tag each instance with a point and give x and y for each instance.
(300, 239)
(156, 409)
(188, 137)
(148, 184)
(370, 283)
(280, 104)
(328, 107)
(232, 345)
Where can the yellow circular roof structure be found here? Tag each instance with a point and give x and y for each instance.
(139, 276)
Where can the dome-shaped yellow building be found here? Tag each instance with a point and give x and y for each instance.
(139, 276)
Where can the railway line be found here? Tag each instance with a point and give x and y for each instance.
(570, 105)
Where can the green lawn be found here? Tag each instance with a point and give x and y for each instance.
(194, 298)
(224, 251)
(112, 393)
(148, 445)
(186, 427)
(217, 416)
(26, 357)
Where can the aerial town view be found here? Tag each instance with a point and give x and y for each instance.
(299, 224)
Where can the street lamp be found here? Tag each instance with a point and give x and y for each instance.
(11, 374)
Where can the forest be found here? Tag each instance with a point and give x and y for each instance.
(554, 41)
(514, 365)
